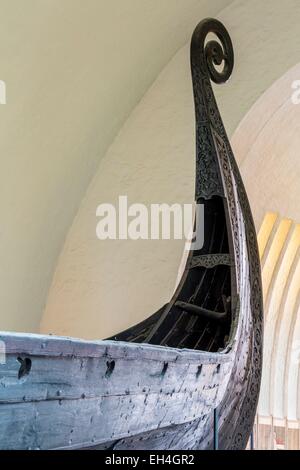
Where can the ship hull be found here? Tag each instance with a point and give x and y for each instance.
(159, 384)
(77, 394)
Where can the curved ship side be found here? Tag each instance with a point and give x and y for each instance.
(155, 385)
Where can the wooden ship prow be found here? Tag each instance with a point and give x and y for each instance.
(158, 384)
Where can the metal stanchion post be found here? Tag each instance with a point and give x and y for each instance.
(252, 441)
(216, 430)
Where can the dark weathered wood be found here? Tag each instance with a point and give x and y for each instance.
(155, 385)
(200, 311)
(211, 260)
(87, 393)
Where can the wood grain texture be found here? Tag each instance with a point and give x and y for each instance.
(158, 389)
(90, 393)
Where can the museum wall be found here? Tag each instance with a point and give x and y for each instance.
(100, 287)
(73, 71)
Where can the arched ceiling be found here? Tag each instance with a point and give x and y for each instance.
(267, 142)
(74, 70)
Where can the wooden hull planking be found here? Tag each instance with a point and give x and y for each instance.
(155, 386)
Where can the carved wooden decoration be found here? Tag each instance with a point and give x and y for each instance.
(156, 385)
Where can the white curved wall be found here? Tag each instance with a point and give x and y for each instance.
(74, 70)
(267, 142)
(100, 287)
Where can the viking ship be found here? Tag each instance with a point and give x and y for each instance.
(159, 384)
